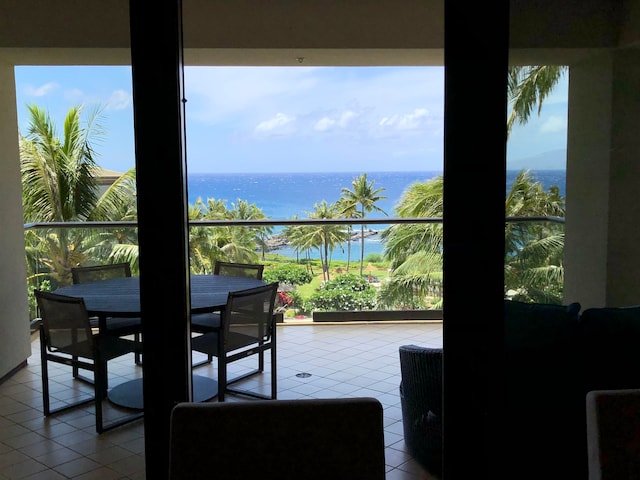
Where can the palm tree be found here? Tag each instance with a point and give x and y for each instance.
(420, 200)
(348, 210)
(59, 185)
(324, 237)
(533, 255)
(201, 241)
(364, 196)
(533, 251)
(529, 86)
(244, 210)
(118, 203)
(235, 244)
(415, 250)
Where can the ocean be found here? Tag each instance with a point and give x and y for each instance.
(284, 195)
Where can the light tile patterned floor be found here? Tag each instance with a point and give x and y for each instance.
(344, 360)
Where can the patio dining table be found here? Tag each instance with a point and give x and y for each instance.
(120, 298)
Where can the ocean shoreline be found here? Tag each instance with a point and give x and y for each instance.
(280, 241)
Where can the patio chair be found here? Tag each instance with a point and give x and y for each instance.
(120, 327)
(310, 439)
(67, 338)
(421, 403)
(247, 327)
(613, 430)
(210, 322)
(250, 270)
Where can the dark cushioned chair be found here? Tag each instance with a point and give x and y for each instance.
(310, 439)
(610, 348)
(421, 402)
(543, 406)
(613, 430)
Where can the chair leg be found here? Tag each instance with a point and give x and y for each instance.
(222, 377)
(100, 383)
(137, 356)
(100, 374)
(101, 387)
(261, 360)
(274, 386)
(45, 377)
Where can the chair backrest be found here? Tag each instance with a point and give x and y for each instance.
(310, 439)
(613, 428)
(248, 270)
(248, 316)
(421, 375)
(100, 272)
(65, 321)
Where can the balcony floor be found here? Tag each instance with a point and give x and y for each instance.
(344, 360)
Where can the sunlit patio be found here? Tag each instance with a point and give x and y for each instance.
(338, 360)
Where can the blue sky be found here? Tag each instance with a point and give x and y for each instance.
(295, 119)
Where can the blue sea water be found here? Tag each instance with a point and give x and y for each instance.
(283, 195)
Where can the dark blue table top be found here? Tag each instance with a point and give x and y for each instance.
(120, 297)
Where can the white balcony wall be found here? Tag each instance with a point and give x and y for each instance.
(14, 311)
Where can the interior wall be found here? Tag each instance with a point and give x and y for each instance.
(623, 259)
(602, 227)
(310, 24)
(587, 187)
(14, 314)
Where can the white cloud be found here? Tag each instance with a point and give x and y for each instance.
(356, 106)
(75, 95)
(119, 100)
(42, 90)
(554, 124)
(346, 117)
(342, 120)
(324, 124)
(249, 94)
(408, 121)
(275, 124)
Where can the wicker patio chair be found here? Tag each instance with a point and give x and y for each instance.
(421, 403)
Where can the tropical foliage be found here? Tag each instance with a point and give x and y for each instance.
(226, 243)
(323, 237)
(358, 201)
(533, 256)
(59, 185)
(528, 87)
(59, 175)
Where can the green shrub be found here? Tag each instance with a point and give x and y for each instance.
(349, 281)
(373, 258)
(287, 273)
(344, 293)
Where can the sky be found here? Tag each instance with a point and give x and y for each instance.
(300, 119)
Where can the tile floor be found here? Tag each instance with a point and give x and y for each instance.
(344, 360)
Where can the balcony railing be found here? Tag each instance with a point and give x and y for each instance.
(75, 243)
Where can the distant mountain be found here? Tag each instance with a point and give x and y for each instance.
(551, 160)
